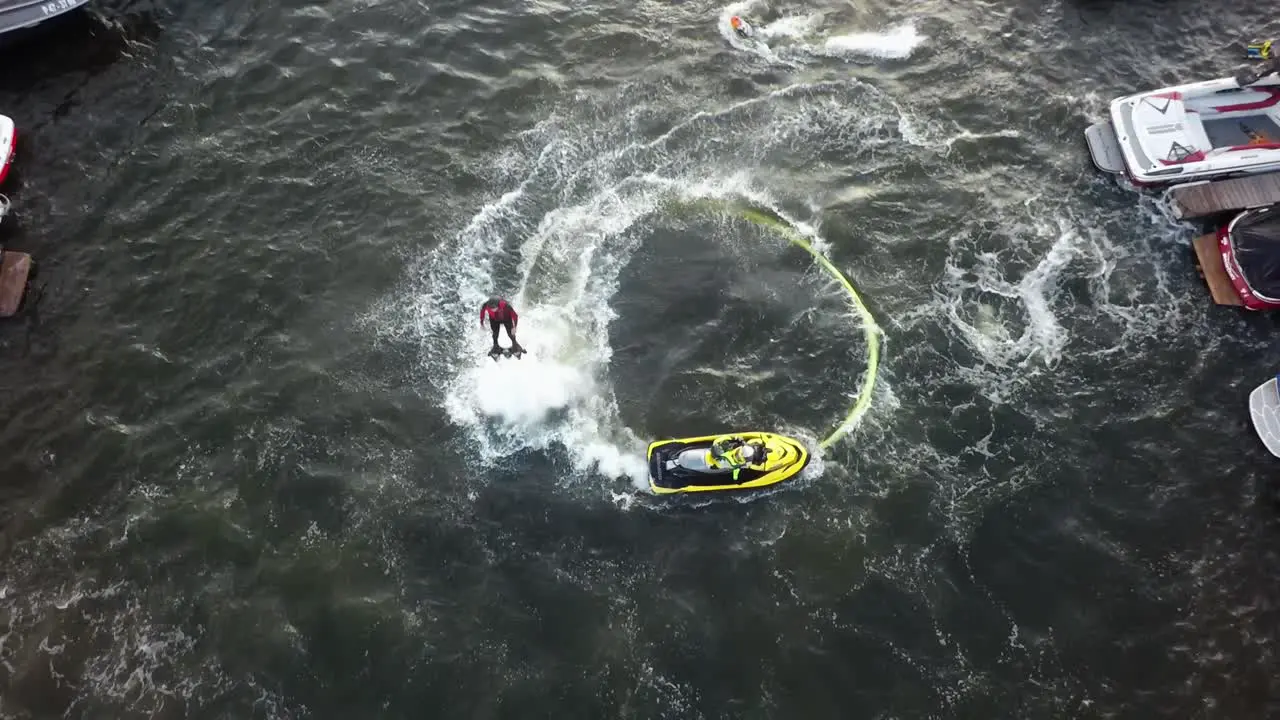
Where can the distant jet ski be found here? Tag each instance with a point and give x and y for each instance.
(741, 27)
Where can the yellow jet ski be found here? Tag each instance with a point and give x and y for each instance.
(686, 464)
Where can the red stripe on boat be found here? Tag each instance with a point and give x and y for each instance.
(1258, 105)
(1197, 156)
(1255, 146)
(13, 145)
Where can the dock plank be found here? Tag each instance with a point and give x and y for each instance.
(1215, 273)
(1203, 199)
(14, 270)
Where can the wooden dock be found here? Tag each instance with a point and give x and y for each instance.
(1214, 272)
(1205, 198)
(15, 268)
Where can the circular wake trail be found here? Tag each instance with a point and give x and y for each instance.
(557, 243)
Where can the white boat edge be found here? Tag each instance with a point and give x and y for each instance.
(1112, 142)
(48, 11)
(7, 129)
(1264, 408)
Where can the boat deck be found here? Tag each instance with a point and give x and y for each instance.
(1236, 131)
(1205, 198)
(15, 268)
(1214, 272)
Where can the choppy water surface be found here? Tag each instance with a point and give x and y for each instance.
(255, 463)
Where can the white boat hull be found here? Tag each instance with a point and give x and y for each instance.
(8, 144)
(1201, 131)
(1264, 408)
(19, 14)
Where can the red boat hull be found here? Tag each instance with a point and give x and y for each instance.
(1250, 299)
(8, 160)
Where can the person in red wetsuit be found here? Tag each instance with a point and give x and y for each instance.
(500, 315)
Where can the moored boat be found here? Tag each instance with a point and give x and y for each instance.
(19, 14)
(1249, 247)
(1264, 411)
(8, 145)
(1199, 131)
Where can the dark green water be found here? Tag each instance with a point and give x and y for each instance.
(253, 462)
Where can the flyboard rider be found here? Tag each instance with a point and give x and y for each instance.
(501, 314)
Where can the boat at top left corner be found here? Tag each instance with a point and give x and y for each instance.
(19, 14)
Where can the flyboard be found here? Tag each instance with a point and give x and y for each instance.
(515, 351)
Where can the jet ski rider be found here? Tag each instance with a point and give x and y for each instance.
(732, 451)
(500, 315)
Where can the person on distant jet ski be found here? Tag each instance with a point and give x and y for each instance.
(741, 27)
(732, 451)
(500, 315)
(1259, 50)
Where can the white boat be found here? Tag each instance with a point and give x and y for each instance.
(1202, 131)
(8, 143)
(18, 14)
(1264, 408)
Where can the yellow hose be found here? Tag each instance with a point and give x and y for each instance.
(870, 330)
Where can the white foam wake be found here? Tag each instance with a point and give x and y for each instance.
(791, 27)
(893, 44)
(558, 394)
(556, 244)
(792, 37)
(1042, 336)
